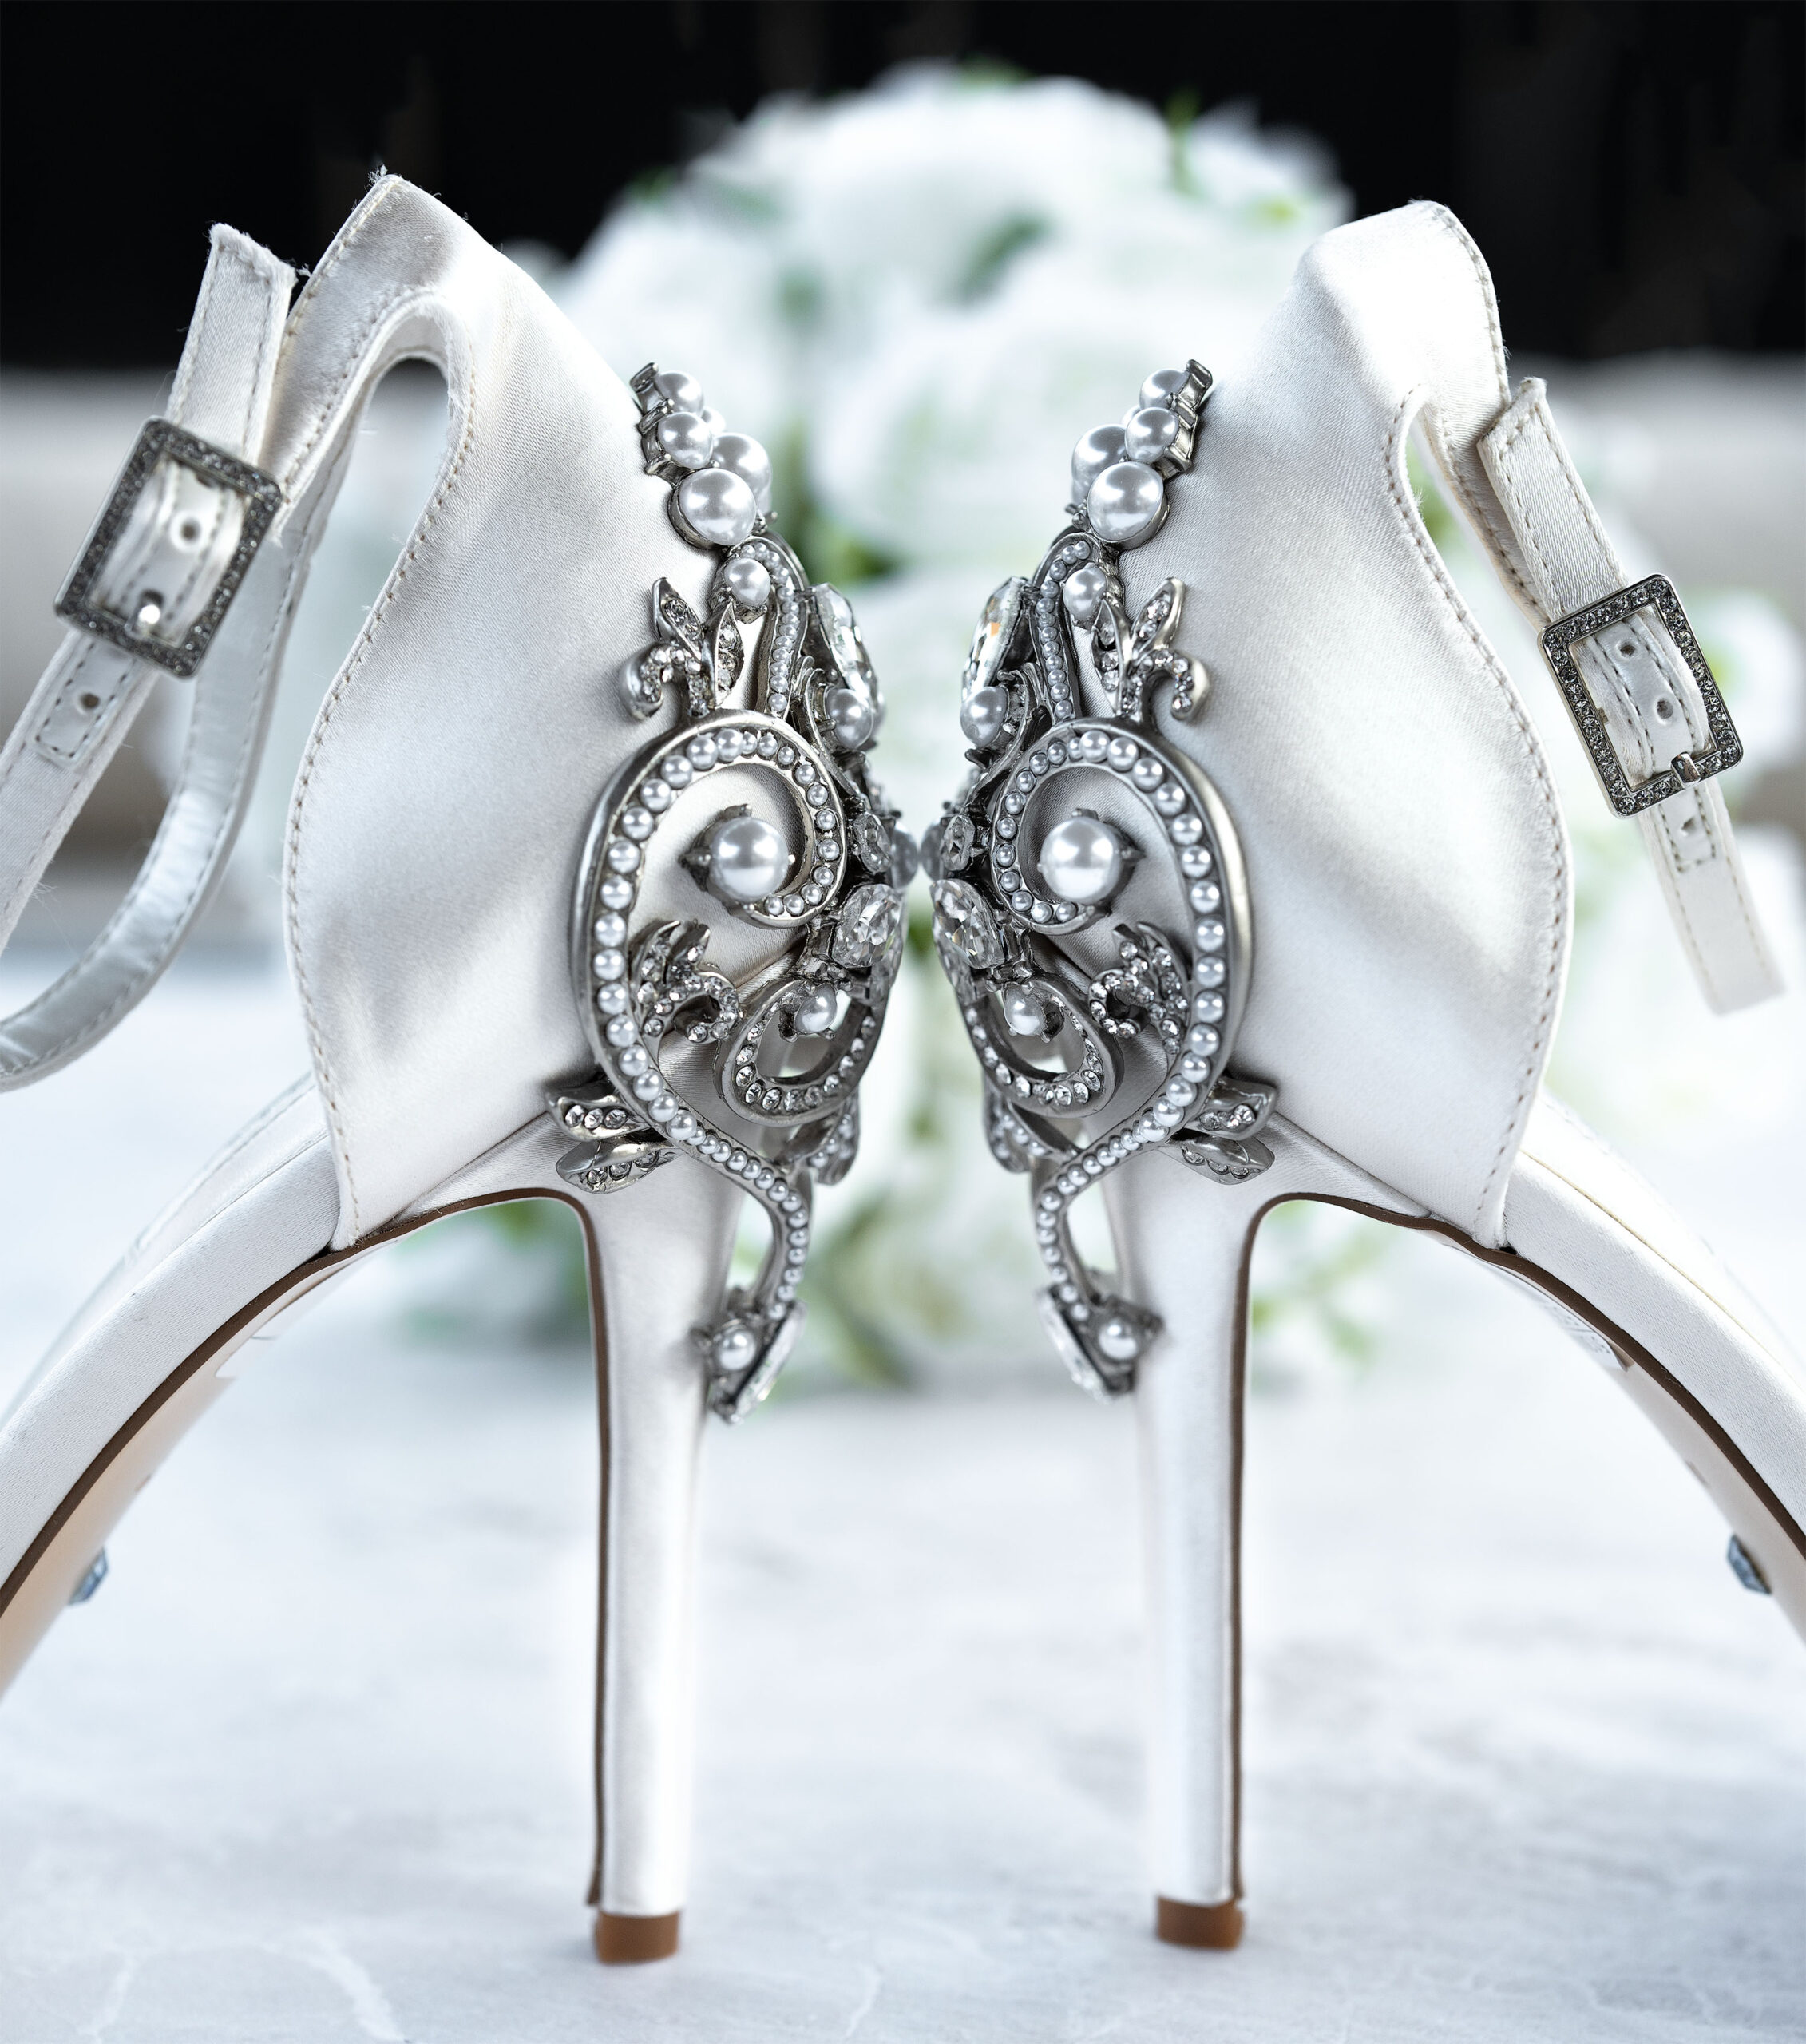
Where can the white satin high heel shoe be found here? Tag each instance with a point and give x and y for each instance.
(1347, 874)
(541, 949)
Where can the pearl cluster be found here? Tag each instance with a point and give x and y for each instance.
(1114, 479)
(727, 487)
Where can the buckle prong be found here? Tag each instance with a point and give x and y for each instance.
(163, 439)
(1655, 593)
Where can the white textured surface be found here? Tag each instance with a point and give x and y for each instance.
(1523, 1762)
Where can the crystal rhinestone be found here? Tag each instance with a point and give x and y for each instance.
(686, 439)
(747, 858)
(748, 582)
(833, 615)
(1083, 590)
(742, 456)
(982, 714)
(719, 506)
(1024, 1016)
(1149, 432)
(1094, 744)
(1100, 449)
(966, 924)
(1124, 503)
(852, 720)
(677, 389)
(990, 642)
(870, 920)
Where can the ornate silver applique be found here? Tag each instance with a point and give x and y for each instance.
(757, 1076)
(1100, 1036)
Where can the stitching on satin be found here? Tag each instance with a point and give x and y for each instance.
(1483, 515)
(356, 353)
(1414, 526)
(328, 709)
(334, 255)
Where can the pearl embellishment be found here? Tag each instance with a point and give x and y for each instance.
(851, 717)
(1024, 1015)
(687, 438)
(1124, 503)
(982, 714)
(1162, 386)
(683, 392)
(1085, 589)
(736, 1347)
(814, 1015)
(719, 506)
(1095, 453)
(748, 582)
(742, 456)
(748, 859)
(1150, 432)
(1118, 1338)
(1082, 861)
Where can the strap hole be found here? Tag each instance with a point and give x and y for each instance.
(1627, 647)
(1665, 707)
(88, 699)
(189, 531)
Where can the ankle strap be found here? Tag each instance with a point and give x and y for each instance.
(153, 591)
(1639, 691)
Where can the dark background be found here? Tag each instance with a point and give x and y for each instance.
(1634, 171)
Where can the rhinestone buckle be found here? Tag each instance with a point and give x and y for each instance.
(163, 439)
(1655, 593)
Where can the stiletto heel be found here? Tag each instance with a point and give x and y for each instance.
(1366, 792)
(539, 951)
(1183, 1251)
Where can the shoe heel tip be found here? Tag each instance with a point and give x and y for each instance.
(1202, 1926)
(633, 1940)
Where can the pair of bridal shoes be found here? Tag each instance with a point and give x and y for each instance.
(1256, 889)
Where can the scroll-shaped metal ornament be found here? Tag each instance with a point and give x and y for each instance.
(757, 1076)
(1104, 1028)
